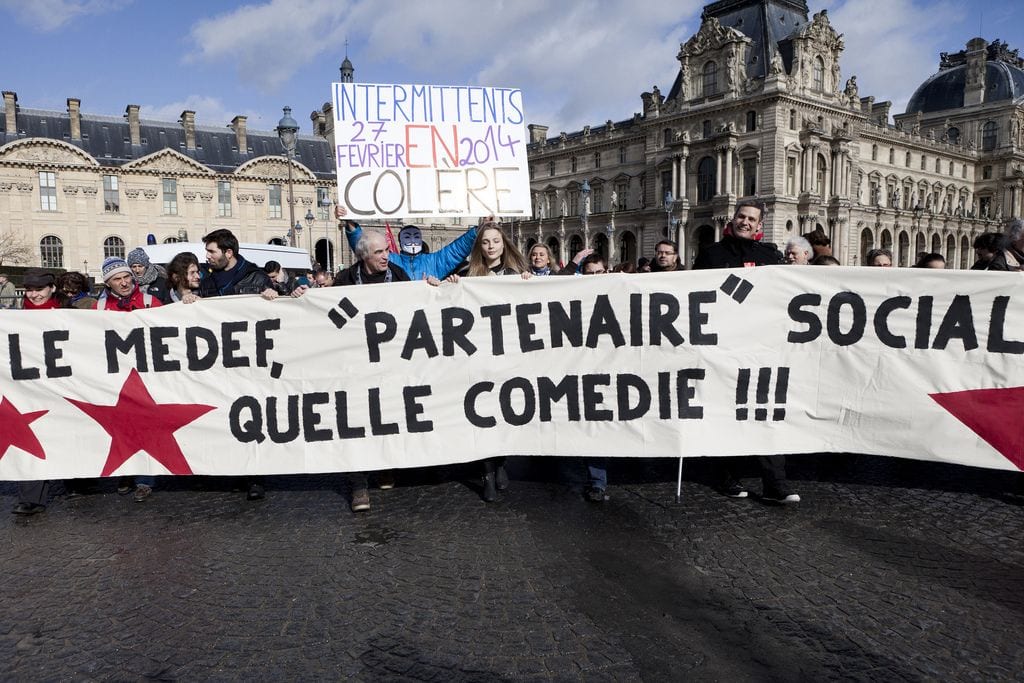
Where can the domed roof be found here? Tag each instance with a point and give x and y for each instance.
(346, 64)
(1004, 80)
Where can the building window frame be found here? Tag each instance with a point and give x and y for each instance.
(170, 196)
(113, 247)
(709, 79)
(51, 252)
(274, 201)
(111, 194)
(47, 190)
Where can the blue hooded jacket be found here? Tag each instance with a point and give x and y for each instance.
(436, 263)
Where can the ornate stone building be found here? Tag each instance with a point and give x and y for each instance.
(80, 187)
(759, 109)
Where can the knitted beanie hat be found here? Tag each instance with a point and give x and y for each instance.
(113, 266)
(138, 256)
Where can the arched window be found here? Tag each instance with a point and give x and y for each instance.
(953, 135)
(113, 246)
(988, 136)
(904, 255)
(936, 243)
(51, 252)
(906, 161)
(819, 181)
(819, 74)
(575, 245)
(951, 250)
(965, 252)
(710, 82)
(705, 179)
(874, 152)
(171, 240)
(886, 240)
(920, 246)
(867, 243)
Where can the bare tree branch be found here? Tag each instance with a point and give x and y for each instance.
(13, 248)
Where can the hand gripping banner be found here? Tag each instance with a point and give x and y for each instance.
(782, 359)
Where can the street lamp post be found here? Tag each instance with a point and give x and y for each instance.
(585, 191)
(297, 231)
(310, 219)
(287, 131)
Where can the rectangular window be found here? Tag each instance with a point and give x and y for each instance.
(597, 160)
(551, 168)
(170, 197)
(666, 185)
(574, 202)
(47, 190)
(791, 176)
(275, 201)
(111, 197)
(986, 173)
(792, 119)
(622, 155)
(749, 177)
(621, 194)
(597, 197)
(323, 203)
(924, 161)
(705, 129)
(224, 199)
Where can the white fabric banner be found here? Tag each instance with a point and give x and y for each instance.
(430, 150)
(782, 359)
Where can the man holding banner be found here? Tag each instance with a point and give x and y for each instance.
(740, 246)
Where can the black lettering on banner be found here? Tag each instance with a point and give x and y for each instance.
(115, 344)
(882, 313)
(860, 318)
(798, 315)
(419, 336)
(160, 349)
(593, 398)
(604, 322)
(664, 309)
(624, 383)
(495, 313)
(291, 430)
(527, 328)
(341, 413)
(957, 323)
(229, 344)
(685, 393)
(529, 401)
(636, 320)
(377, 427)
(469, 403)
(566, 326)
(924, 322)
(52, 353)
(997, 341)
(664, 396)
(413, 409)
(193, 335)
(698, 318)
(311, 418)
(18, 371)
(377, 335)
(455, 326)
(549, 393)
(252, 429)
(264, 344)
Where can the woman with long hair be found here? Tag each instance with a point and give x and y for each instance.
(493, 253)
(182, 278)
(542, 261)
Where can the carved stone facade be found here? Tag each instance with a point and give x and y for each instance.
(752, 116)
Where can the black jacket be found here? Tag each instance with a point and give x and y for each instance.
(247, 278)
(350, 276)
(736, 252)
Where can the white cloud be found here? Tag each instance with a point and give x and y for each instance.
(892, 46)
(50, 15)
(210, 111)
(578, 63)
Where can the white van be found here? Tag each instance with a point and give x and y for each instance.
(291, 258)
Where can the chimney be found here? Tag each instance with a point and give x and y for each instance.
(11, 110)
(319, 122)
(538, 133)
(238, 125)
(974, 84)
(75, 117)
(134, 131)
(188, 122)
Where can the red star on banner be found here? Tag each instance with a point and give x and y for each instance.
(992, 414)
(15, 430)
(137, 423)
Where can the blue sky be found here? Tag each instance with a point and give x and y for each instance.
(579, 62)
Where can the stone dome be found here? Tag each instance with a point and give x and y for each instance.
(1004, 81)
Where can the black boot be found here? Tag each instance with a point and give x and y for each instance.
(500, 475)
(490, 485)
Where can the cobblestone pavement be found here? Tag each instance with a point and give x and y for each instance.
(888, 570)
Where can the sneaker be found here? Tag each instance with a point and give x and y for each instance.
(781, 497)
(28, 508)
(386, 480)
(595, 495)
(360, 500)
(142, 492)
(734, 490)
(255, 492)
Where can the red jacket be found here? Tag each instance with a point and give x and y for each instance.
(134, 301)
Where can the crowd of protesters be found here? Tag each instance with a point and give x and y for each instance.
(136, 283)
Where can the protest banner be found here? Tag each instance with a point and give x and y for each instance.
(780, 359)
(420, 151)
